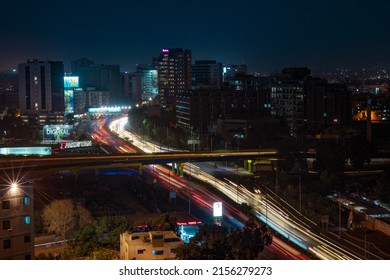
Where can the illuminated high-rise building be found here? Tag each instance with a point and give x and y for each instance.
(174, 75)
(41, 91)
(148, 82)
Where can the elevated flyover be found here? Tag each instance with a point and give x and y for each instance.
(61, 162)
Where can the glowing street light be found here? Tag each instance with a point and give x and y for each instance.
(14, 186)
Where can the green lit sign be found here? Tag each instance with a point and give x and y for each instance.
(26, 151)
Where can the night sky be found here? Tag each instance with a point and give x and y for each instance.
(265, 35)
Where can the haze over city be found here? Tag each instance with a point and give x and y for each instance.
(265, 35)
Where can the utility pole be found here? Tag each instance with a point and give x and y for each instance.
(276, 175)
(189, 188)
(266, 206)
(237, 183)
(300, 194)
(339, 215)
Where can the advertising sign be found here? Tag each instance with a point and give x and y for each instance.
(69, 100)
(217, 209)
(57, 133)
(26, 151)
(71, 82)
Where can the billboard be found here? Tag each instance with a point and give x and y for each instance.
(71, 82)
(69, 100)
(217, 209)
(76, 144)
(57, 133)
(26, 151)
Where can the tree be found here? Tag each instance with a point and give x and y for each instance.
(331, 157)
(209, 243)
(360, 151)
(63, 218)
(218, 243)
(164, 222)
(330, 162)
(96, 239)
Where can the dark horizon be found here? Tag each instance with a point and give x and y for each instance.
(266, 36)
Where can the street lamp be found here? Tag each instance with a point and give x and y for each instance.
(14, 186)
(339, 215)
(300, 194)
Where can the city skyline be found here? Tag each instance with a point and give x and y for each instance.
(265, 36)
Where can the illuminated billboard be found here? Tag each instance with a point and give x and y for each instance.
(26, 151)
(69, 100)
(71, 82)
(217, 209)
(77, 144)
(57, 133)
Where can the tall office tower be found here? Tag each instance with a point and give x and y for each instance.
(41, 91)
(174, 75)
(288, 97)
(326, 105)
(207, 74)
(100, 77)
(126, 83)
(16, 222)
(308, 104)
(148, 82)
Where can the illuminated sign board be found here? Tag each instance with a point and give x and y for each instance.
(217, 209)
(165, 50)
(69, 100)
(71, 82)
(77, 144)
(57, 133)
(26, 151)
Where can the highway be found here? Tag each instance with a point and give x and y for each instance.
(199, 195)
(288, 223)
(285, 221)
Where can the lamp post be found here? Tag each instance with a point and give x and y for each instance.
(237, 183)
(300, 194)
(266, 206)
(339, 215)
(189, 188)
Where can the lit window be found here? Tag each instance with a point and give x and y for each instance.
(26, 200)
(27, 220)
